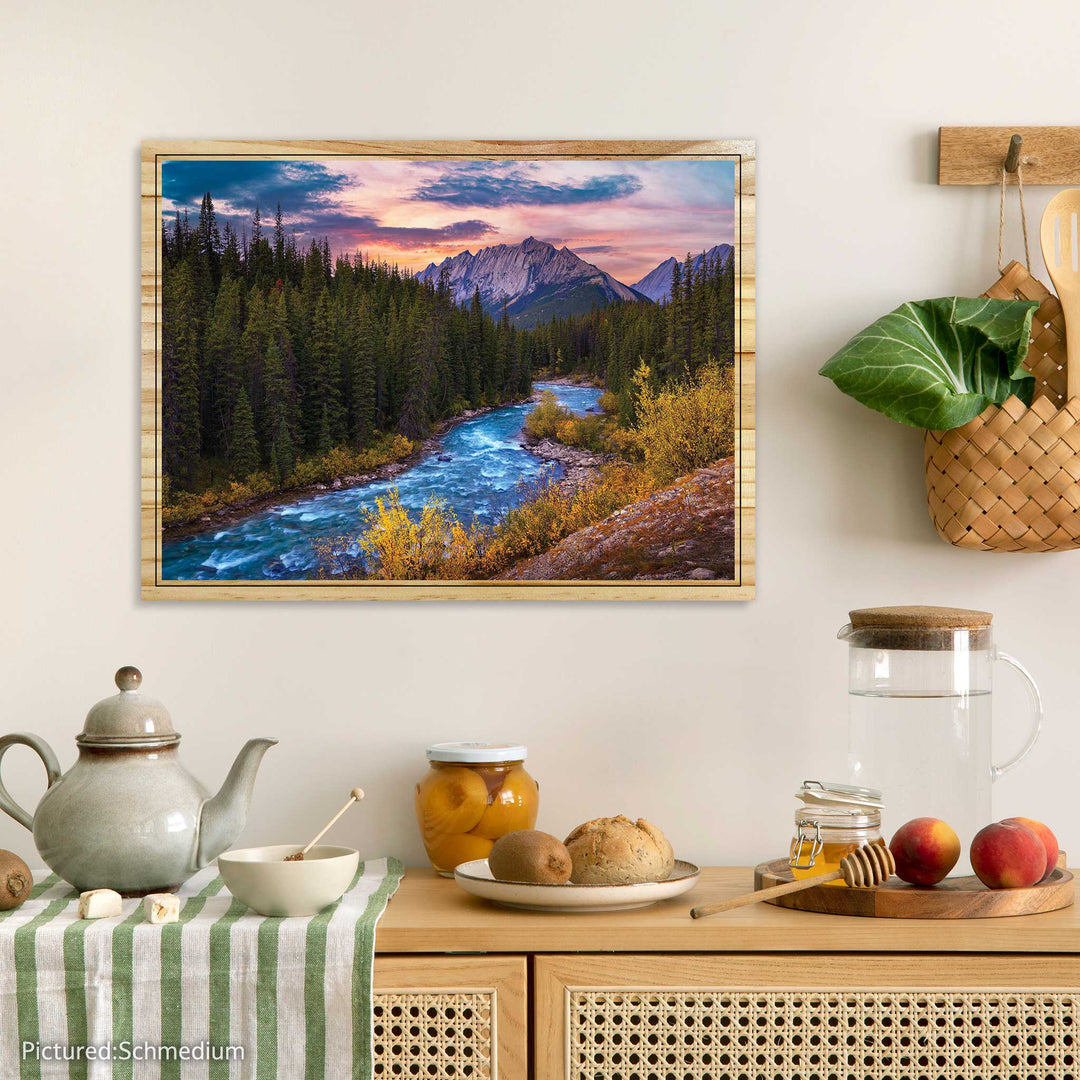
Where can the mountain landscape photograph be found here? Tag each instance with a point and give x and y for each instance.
(381, 370)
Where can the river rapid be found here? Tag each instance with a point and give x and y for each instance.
(477, 468)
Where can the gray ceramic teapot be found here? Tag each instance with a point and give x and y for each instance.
(127, 815)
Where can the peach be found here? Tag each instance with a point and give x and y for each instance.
(449, 801)
(512, 808)
(925, 850)
(1046, 836)
(446, 852)
(1008, 855)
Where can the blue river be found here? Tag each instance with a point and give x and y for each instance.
(477, 469)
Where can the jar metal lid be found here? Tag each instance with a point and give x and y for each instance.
(476, 752)
(820, 793)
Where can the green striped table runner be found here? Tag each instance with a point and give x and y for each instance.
(293, 994)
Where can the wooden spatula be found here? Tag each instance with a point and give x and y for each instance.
(866, 866)
(1061, 252)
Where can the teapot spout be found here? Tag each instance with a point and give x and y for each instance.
(223, 816)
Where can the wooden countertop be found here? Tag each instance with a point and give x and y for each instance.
(430, 914)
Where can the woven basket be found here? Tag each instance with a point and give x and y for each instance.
(1009, 480)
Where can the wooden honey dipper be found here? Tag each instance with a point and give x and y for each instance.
(298, 856)
(869, 865)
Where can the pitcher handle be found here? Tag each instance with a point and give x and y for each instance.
(52, 773)
(1037, 715)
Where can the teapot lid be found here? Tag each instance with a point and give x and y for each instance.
(128, 718)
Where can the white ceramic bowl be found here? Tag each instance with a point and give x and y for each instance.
(260, 877)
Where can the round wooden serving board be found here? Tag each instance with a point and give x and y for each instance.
(954, 898)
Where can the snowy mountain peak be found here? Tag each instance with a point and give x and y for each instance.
(656, 284)
(535, 279)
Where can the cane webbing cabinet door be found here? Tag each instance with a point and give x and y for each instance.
(805, 1016)
(450, 1017)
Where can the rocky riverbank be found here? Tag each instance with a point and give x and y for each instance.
(580, 466)
(685, 532)
(236, 511)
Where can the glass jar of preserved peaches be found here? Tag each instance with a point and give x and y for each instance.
(473, 793)
(833, 821)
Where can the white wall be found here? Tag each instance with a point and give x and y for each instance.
(701, 717)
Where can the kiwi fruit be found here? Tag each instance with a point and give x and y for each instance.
(531, 856)
(16, 881)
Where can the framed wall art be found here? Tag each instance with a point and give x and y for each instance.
(448, 370)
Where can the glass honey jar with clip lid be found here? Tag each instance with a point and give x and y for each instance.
(833, 820)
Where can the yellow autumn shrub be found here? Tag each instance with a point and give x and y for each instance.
(543, 421)
(588, 432)
(406, 549)
(683, 426)
(178, 507)
(345, 461)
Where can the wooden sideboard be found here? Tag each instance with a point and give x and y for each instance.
(468, 990)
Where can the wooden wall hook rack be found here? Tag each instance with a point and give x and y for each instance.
(975, 155)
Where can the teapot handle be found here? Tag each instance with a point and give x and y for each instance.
(1035, 699)
(52, 772)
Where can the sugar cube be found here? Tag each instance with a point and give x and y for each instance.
(99, 904)
(161, 907)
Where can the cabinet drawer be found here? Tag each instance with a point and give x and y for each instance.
(450, 1017)
(807, 1017)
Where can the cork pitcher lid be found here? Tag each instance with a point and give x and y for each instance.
(129, 718)
(920, 616)
(918, 627)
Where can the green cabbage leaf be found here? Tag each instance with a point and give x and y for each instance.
(938, 363)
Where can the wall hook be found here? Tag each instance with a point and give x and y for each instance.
(1012, 158)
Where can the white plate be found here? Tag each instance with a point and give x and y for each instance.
(475, 877)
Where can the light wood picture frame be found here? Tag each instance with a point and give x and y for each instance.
(242, 488)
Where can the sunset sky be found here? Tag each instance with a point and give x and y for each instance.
(624, 216)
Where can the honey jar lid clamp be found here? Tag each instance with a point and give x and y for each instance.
(819, 793)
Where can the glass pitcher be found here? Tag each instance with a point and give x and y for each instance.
(920, 715)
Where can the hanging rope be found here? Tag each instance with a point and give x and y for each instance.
(1023, 218)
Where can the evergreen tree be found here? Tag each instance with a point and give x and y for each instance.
(474, 376)
(181, 418)
(224, 369)
(280, 269)
(230, 253)
(208, 240)
(243, 446)
(283, 453)
(673, 320)
(684, 352)
(364, 372)
(423, 363)
(323, 412)
(279, 411)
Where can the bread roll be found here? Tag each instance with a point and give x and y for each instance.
(618, 851)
